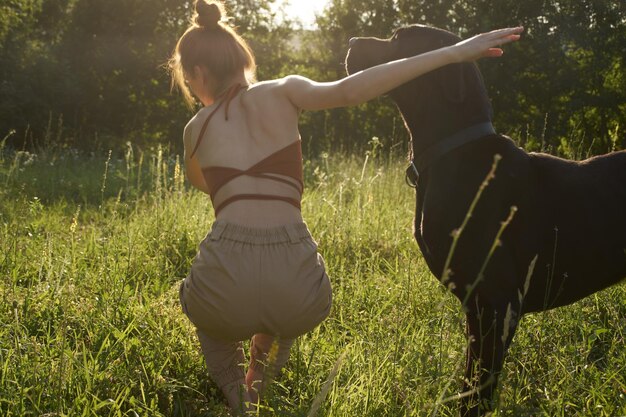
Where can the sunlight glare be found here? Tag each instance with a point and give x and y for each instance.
(303, 10)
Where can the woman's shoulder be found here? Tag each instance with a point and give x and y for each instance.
(278, 85)
(270, 93)
(194, 124)
(189, 127)
(198, 119)
(262, 87)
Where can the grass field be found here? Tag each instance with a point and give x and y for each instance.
(93, 248)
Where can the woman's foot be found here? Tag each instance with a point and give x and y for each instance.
(256, 376)
(238, 398)
(254, 382)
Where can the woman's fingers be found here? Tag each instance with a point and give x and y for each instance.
(507, 39)
(486, 44)
(502, 36)
(493, 53)
(498, 33)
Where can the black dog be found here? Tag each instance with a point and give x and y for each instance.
(570, 217)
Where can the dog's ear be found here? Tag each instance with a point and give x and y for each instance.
(452, 80)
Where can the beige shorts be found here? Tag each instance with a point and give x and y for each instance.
(245, 281)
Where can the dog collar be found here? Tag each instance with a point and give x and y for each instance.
(442, 147)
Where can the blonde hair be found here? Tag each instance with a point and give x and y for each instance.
(210, 43)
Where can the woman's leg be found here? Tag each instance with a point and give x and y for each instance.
(268, 355)
(225, 361)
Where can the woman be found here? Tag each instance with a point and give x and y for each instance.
(258, 274)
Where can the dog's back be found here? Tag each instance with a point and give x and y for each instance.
(579, 219)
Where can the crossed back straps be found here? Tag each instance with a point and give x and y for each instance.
(283, 166)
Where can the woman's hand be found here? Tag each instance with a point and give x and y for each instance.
(484, 45)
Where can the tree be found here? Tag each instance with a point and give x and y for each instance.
(325, 50)
(563, 82)
(100, 67)
(560, 88)
(97, 65)
(27, 38)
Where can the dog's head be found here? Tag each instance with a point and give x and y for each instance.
(405, 42)
(435, 104)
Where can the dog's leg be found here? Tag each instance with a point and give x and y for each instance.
(490, 331)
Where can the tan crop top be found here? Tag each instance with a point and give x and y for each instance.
(286, 162)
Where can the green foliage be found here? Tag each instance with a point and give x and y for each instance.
(561, 81)
(90, 323)
(565, 79)
(324, 52)
(97, 67)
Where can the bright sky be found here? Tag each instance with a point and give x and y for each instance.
(303, 10)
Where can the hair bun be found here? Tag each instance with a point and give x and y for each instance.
(209, 14)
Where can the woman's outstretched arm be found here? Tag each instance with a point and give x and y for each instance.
(365, 85)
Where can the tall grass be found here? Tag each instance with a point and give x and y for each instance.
(92, 250)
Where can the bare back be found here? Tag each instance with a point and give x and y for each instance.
(261, 121)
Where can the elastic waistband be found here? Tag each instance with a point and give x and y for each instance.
(293, 233)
